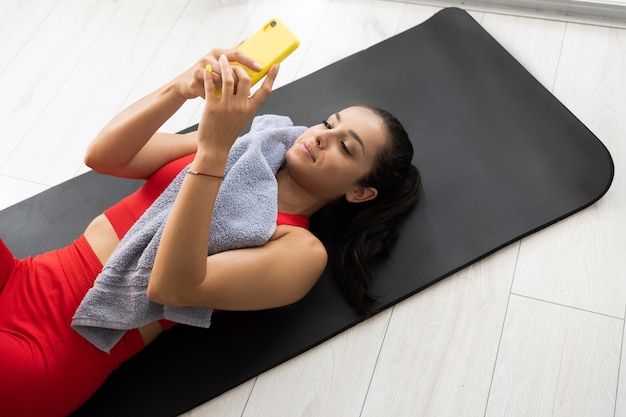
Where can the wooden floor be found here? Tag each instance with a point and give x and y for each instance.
(535, 330)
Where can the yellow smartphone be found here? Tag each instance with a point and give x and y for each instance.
(268, 46)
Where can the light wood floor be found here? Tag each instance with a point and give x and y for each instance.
(535, 330)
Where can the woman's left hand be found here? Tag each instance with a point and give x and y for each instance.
(190, 83)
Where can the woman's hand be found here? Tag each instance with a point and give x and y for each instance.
(224, 118)
(191, 82)
(130, 146)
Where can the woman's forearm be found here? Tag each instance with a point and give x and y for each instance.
(180, 264)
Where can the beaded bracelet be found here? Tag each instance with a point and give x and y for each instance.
(192, 172)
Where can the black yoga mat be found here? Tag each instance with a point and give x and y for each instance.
(500, 157)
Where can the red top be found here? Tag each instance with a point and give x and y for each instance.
(292, 220)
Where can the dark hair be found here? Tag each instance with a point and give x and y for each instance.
(359, 234)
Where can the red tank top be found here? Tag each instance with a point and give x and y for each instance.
(124, 214)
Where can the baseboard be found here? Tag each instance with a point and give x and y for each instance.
(605, 13)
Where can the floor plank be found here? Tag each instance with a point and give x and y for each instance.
(41, 67)
(555, 361)
(620, 402)
(348, 27)
(19, 20)
(535, 44)
(440, 349)
(229, 404)
(114, 62)
(329, 380)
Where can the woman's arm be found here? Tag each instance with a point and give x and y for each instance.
(121, 148)
(130, 146)
(181, 260)
(276, 274)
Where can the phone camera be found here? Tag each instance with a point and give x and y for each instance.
(273, 23)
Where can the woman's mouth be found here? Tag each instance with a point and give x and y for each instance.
(307, 151)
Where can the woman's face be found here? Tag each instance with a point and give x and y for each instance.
(329, 159)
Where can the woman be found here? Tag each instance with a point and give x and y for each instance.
(359, 156)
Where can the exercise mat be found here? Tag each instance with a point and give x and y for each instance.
(500, 158)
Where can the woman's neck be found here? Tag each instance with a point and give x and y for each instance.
(294, 199)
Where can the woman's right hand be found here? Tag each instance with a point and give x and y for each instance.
(191, 83)
(225, 117)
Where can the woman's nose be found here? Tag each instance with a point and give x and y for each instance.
(320, 141)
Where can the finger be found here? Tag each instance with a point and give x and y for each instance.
(228, 78)
(209, 84)
(235, 55)
(243, 83)
(266, 88)
(217, 79)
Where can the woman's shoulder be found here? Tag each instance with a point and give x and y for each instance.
(299, 252)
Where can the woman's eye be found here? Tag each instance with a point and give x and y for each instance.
(328, 126)
(345, 148)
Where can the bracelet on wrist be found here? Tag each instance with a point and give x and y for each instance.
(202, 174)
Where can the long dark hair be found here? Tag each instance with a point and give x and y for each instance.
(359, 234)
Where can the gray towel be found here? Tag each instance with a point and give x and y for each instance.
(244, 216)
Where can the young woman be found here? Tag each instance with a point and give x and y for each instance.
(353, 169)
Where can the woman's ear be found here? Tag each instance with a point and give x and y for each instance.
(359, 194)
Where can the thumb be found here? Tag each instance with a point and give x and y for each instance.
(266, 88)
